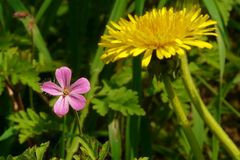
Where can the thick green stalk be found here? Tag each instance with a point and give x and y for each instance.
(204, 113)
(115, 139)
(178, 109)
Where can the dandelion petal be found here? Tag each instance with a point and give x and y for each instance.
(81, 86)
(146, 58)
(61, 106)
(63, 75)
(51, 88)
(76, 101)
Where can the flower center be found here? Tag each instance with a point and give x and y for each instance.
(66, 91)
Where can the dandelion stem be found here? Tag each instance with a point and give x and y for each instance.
(183, 119)
(204, 113)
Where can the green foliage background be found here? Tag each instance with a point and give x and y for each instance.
(50, 34)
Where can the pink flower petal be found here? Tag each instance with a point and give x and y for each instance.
(51, 88)
(63, 75)
(61, 106)
(81, 86)
(76, 101)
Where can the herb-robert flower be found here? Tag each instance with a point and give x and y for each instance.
(69, 94)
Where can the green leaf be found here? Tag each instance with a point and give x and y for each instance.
(27, 76)
(31, 27)
(30, 124)
(41, 150)
(7, 133)
(33, 153)
(100, 107)
(104, 151)
(122, 99)
(122, 76)
(198, 127)
(87, 146)
(15, 64)
(92, 149)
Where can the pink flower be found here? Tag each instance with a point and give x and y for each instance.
(68, 94)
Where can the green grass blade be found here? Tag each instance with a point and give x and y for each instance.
(2, 17)
(162, 3)
(50, 17)
(222, 35)
(31, 27)
(198, 127)
(115, 139)
(210, 88)
(79, 12)
(134, 122)
(222, 43)
(97, 65)
(42, 10)
(17, 5)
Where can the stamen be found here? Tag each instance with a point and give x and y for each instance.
(65, 91)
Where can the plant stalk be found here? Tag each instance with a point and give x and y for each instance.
(115, 139)
(204, 113)
(183, 119)
(78, 122)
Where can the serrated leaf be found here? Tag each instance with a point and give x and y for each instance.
(30, 124)
(24, 73)
(92, 149)
(122, 76)
(33, 153)
(87, 145)
(41, 150)
(100, 107)
(104, 151)
(18, 68)
(122, 100)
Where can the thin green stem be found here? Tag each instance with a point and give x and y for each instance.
(81, 139)
(183, 119)
(31, 98)
(63, 138)
(204, 113)
(78, 122)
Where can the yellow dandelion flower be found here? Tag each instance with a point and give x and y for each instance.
(163, 32)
